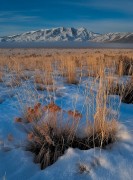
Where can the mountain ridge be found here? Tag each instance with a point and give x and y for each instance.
(68, 34)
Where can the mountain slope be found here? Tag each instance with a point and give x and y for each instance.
(115, 37)
(68, 34)
(55, 34)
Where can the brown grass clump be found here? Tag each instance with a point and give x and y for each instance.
(44, 79)
(75, 114)
(124, 90)
(115, 89)
(104, 132)
(50, 138)
(93, 67)
(49, 142)
(32, 114)
(18, 120)
(125, 66)
(127, 95)
(30, 136)
(71, 75)
(39, 79)
(52, 107)
(1, 76)
(41, 87)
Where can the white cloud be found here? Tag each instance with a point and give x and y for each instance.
(13, 22)
(10, 17)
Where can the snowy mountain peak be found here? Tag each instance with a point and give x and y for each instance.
(53, 34)
(67, 34)
(121, 37)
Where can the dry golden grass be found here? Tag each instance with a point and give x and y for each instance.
(127, 93)
(44, 79)
(1, 76)
(124, 65)
(124, 90)
(49, 137)
(67, 63)
(71, 74)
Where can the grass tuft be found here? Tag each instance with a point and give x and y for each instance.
(49, 138)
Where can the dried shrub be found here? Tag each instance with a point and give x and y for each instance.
(75, 114)
(1, 76)
(71, 77)
(44, 79)
(31, 114)
(52, 107)
(115, 89)
(125, 65)
(48, 141)
(49, 138)
(127, 95)
(125, 91)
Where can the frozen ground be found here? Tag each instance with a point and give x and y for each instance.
(115, 162)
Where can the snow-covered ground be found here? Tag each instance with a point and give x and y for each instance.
(114, 162)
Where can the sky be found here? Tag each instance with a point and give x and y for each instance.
(102, 16)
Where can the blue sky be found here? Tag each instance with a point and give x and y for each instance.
(102, 16)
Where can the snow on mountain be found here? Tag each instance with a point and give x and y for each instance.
(115, 37)
(67, 34)
(54, 34)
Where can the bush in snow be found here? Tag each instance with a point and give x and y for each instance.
(52, 131)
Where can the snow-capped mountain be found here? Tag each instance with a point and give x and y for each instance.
(67, 34)
(115, 37)
(54, 34)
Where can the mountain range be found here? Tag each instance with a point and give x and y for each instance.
(68, 34)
